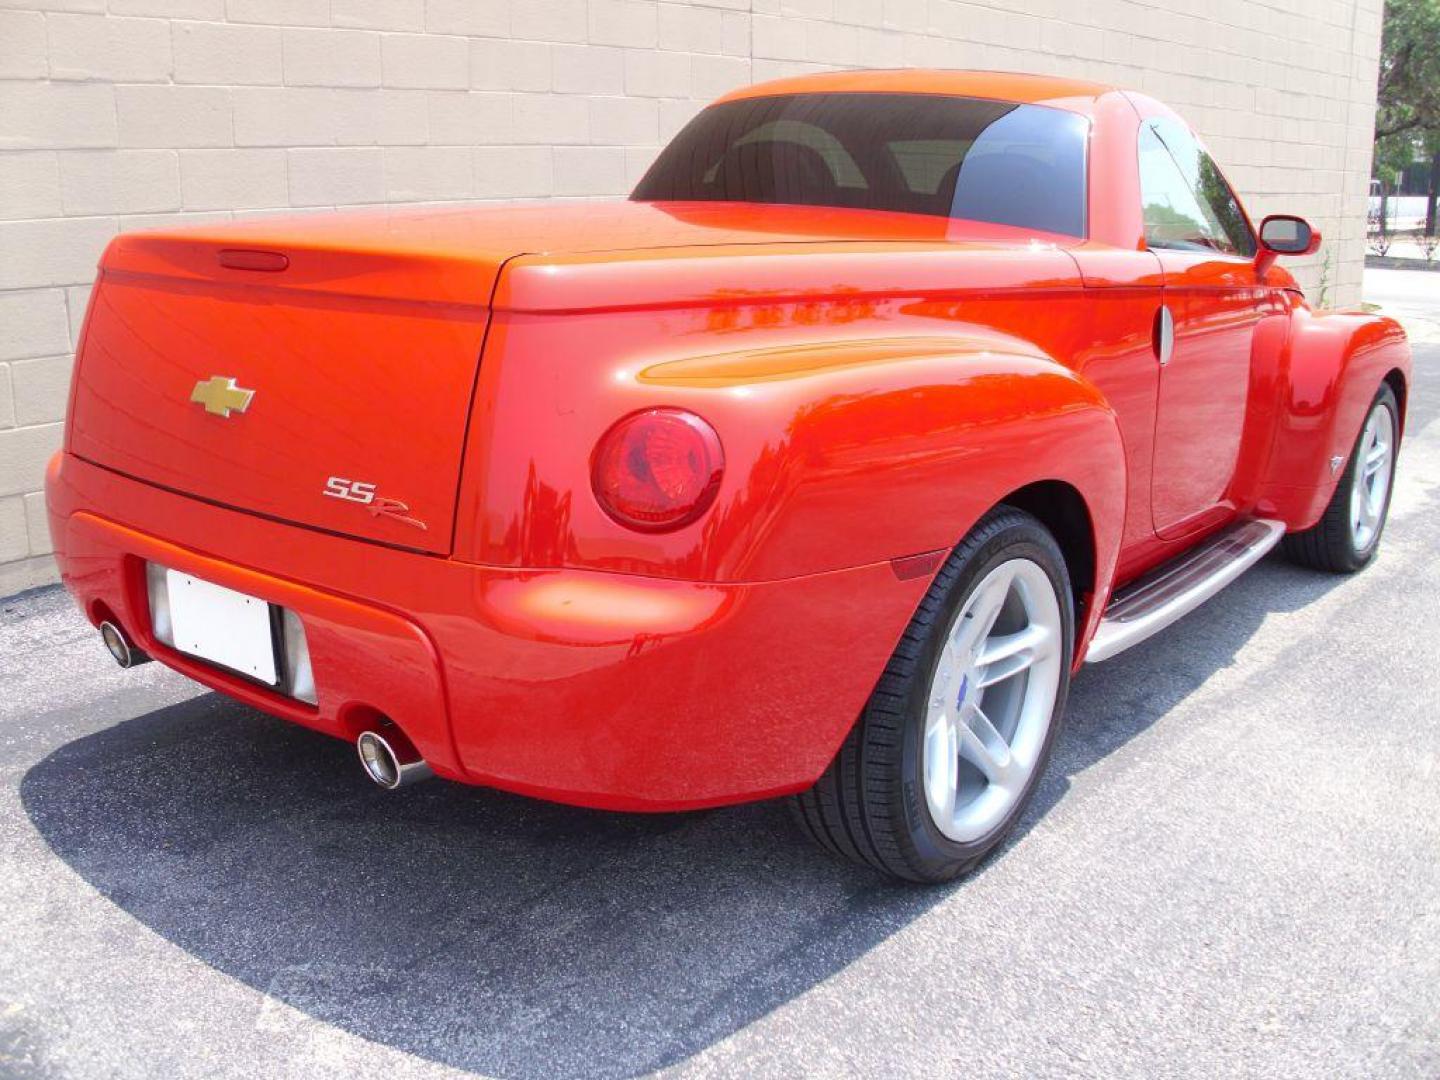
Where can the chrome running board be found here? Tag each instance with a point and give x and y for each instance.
(1177, 588)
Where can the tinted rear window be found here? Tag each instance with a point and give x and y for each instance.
(993, 161)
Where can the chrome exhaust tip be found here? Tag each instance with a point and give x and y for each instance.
(118, 646)
(390, 760)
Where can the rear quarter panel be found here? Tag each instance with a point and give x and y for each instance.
(860, 423)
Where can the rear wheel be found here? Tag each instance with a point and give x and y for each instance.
(956, 735)
(1347, 535)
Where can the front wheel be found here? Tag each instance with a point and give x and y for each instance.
(1347, 535)
(959, 728)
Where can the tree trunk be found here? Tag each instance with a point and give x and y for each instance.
(1433, 192)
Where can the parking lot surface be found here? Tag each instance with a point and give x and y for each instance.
(1232, 867)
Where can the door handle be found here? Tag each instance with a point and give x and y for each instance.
(1164, 335)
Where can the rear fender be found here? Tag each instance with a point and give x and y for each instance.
(839, 453)
(1332, 369)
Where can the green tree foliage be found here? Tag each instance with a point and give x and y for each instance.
(1409, 89)
(1407, 119)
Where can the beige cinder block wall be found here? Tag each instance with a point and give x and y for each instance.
(127, 114)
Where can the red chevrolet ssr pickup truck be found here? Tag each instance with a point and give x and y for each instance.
(813, 469)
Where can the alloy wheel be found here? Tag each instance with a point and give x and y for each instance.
(1371, 485)
(991, 698)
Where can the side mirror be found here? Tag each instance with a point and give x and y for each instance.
(1284, 234)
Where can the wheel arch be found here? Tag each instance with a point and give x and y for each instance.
(1062, 509)
(1395, 379)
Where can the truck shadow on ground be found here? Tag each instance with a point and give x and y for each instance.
(507, 936)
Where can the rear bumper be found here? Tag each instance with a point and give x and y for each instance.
(599, 689)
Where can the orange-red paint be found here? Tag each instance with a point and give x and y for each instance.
(878, 381)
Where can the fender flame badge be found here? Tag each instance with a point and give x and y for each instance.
(363, 492)
(395, 510)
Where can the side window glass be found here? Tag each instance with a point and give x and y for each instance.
(1186, 203)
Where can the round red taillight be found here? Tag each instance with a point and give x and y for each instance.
(658, 469)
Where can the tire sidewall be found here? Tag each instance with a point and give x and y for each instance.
(1026, 538)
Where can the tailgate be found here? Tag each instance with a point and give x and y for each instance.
(359, 368)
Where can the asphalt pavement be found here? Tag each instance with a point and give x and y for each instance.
(1232, 868)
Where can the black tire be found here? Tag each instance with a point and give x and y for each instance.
(1329, 544)
(869, 806)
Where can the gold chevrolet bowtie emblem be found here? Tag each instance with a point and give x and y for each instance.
(220, 396)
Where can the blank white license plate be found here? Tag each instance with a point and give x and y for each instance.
(221, 625)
